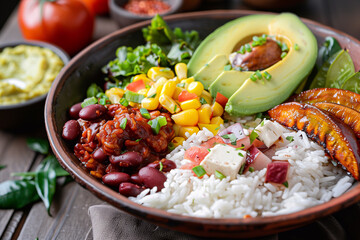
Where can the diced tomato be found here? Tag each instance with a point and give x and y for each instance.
(196, 154)
(136, 86)
(212, 142)
(185, 95)
(277, 172)
(221, 99)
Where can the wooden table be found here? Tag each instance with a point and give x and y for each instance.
(70, 219)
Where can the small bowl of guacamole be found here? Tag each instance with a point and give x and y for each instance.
(27, 70)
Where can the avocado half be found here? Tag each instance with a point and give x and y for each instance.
(248, 97)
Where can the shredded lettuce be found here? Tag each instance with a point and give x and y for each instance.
(164, 47)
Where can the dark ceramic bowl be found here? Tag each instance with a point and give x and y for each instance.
(124, 18)
(69, 88)
(29, 113)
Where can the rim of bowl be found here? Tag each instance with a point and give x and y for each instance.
(122, 12)
(290, 220)
(58, 51)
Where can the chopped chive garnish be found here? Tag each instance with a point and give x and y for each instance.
(264, 36)
(199, 171)
(209, 149)
(253, 136)
(124, 102)
(217, 128)
(219, 175)
(175, 108)
(227, 67)
(283, 54)
(248, 47)
(240, 154)
(180, 85)
(242, 169)
(133, 97)
(286, 184)
(171, 146)
(240, 148)
(123, 123)
(157, 123)
(138, 140)
(102, 101)
(262, 123)
(161, 166)
(290, 138)
(296, 46)
(258, 74)
(267, 75)
(284, 47)
(89, 101)
(231, 137)
(152, 96)
(145, 113)
(251, 169)
(253, 78)
(242, 50)
(203, 101)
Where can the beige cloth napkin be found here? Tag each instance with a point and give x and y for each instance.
(109, 223)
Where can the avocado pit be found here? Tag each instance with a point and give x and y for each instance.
(260, 57)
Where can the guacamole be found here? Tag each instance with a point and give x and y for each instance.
(26, 72)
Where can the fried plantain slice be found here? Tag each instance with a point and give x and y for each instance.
(336, 137)
(331, 95)
(349, 116)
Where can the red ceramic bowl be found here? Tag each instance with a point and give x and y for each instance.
(69, 88)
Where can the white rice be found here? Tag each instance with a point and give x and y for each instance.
(312, 180)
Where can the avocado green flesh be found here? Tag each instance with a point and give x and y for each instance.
(228, 82)
(213, 68)
(248, 97)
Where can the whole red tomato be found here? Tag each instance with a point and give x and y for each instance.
(97, 6)
(65, 23)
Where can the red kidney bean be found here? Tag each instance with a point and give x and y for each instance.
(115, 178)
(151, 177)
(71, 130)
(136, 179)
(92, 112)
(74, 110)
(128, 159)
(167, 165)
(129, 189)
(99, 155)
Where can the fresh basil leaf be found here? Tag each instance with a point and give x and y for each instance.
(45, 183)
(16, 194)
(38, 145)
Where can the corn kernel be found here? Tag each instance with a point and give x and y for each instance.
(177, 141)
(190, 130)
(176, 129)
(150, 103)
(217, 109)
(177, 92)
(188, 117)
(207, 96)
(195, 87)
(181, 70)
(189, 104)
(143, 91)
(205, 113)
(114, 91)
(169, 104)
(217, 120)
(168, 88)
(214, 128)
(187, 81)
(134, 104)
(155, 73)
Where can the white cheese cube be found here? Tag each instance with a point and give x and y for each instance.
(225, 159)
(269, 132)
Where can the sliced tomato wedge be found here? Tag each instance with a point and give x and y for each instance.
(185, 95)
(221, 99)
(136, 86)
